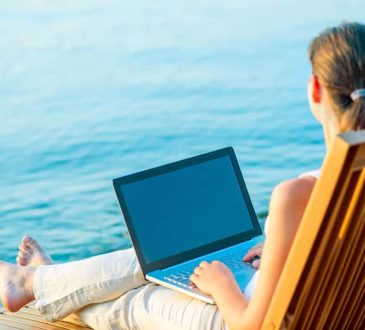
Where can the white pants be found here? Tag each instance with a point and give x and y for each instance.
(110, 292)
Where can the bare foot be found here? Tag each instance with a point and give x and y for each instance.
(16, 286)
(32, 254)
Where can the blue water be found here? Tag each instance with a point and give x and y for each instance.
(90, 91)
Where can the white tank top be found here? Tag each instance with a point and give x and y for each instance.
(252, 284)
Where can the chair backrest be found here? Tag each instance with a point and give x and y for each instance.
(322, 285)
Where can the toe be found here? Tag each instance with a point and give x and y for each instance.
(28, 241)
(23, 255)
(20, 261)
(23, 248)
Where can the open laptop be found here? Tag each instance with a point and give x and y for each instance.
(188, 211)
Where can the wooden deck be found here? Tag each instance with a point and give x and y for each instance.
(28, 318)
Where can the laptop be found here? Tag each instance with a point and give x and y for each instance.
(185, 212)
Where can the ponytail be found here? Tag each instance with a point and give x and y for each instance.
(354, 117)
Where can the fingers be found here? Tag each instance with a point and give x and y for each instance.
(253, 252)
(197, 278)
(256, 263)
(198, 270)
(250, 254)
(194, 278)
(204, 264)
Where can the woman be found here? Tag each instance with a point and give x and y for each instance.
(109, 291)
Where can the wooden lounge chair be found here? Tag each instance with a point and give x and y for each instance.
(322, 285)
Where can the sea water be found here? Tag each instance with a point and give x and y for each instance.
(94, 90)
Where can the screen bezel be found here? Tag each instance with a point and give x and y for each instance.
(196, 252)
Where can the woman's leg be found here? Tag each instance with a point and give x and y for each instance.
(62, 289)
(153, 307)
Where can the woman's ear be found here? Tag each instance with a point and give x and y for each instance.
(315, 89)
(314, 97)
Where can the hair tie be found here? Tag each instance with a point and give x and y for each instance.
(357, 94)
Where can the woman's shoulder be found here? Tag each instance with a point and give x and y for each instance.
(293, 193)
(298, 187)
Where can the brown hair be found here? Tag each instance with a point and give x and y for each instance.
(338, 61)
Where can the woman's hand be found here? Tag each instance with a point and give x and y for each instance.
(213, 278)
(218, 281)
(255, 253)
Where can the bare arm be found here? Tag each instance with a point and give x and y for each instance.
(287, 205)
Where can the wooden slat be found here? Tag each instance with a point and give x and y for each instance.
(70, 320)
(5, 324)
(38, 318)
(360, 323)
(19, 323)
(74, 324)
(342, 263)
(343, 311)
(29, 324)
(29, 319)
(350, 274)
(356, 301)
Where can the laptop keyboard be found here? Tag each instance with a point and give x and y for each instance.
(233, 262)
(182, 278)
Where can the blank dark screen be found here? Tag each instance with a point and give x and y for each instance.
(186, 208)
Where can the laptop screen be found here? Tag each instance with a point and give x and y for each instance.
(183, 209)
